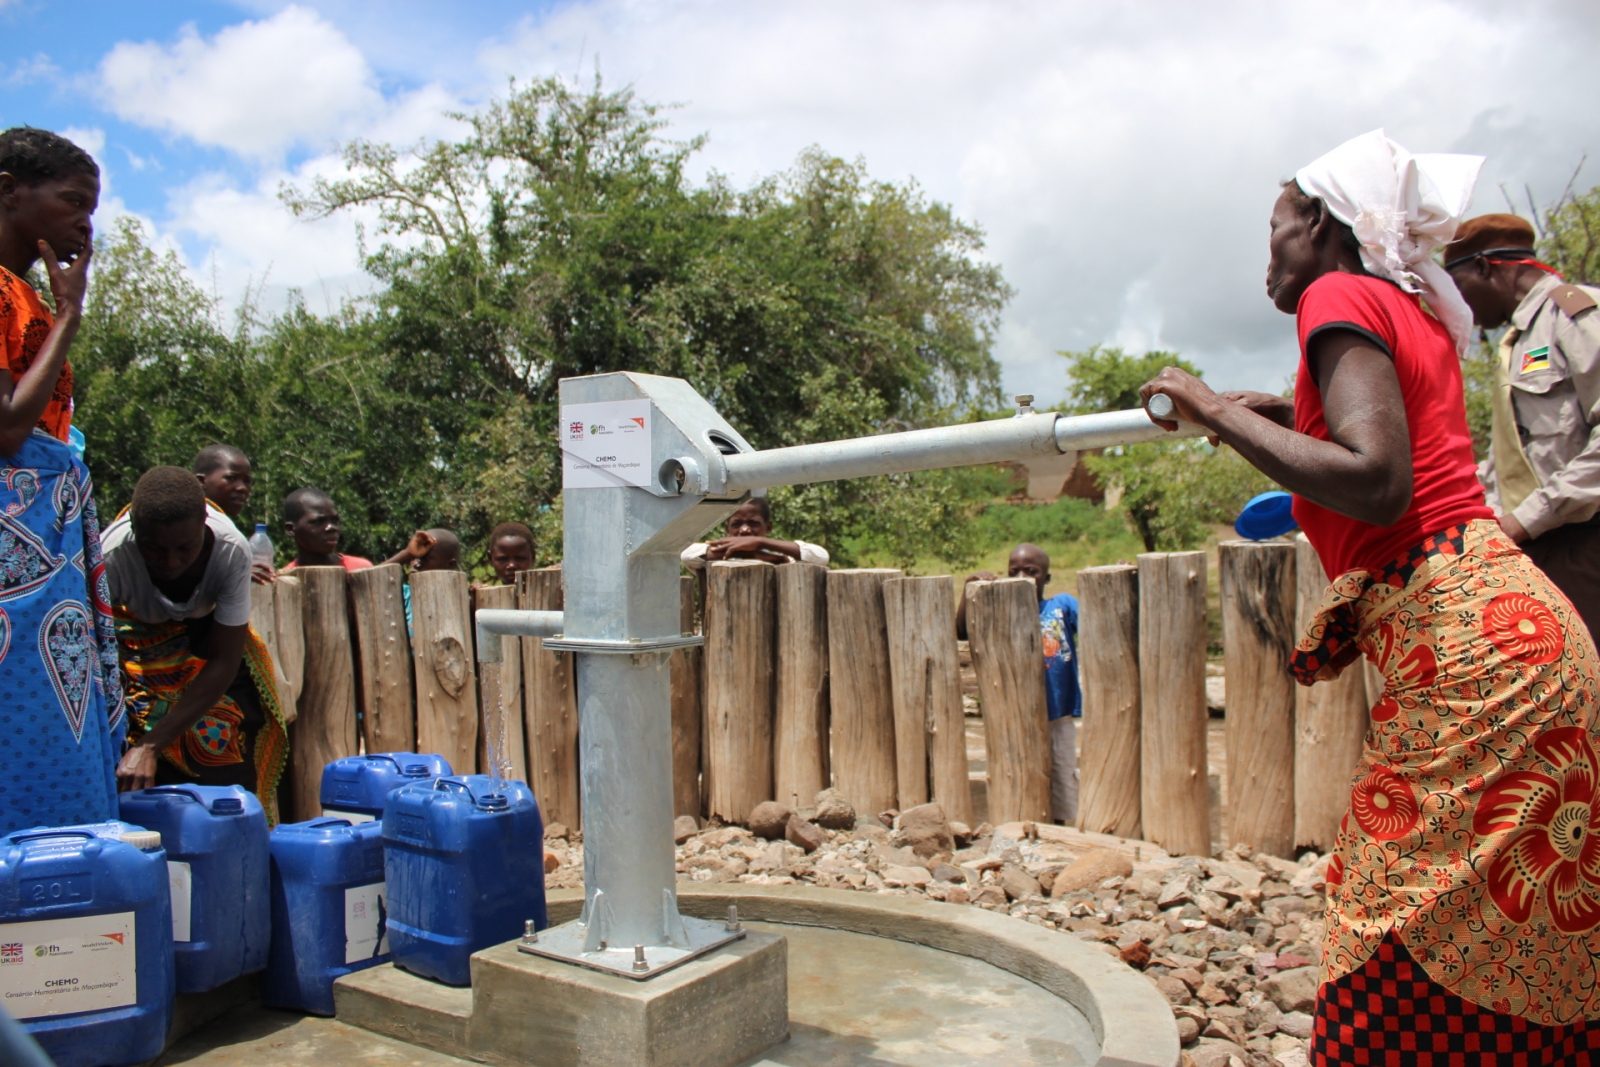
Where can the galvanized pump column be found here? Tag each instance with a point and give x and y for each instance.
(650, 467)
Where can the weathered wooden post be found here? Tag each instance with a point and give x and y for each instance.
(1108, 654)
(1258, 628)
(1330, 725)
(925, 683)
(441, 651)
(384, 654)
(687, 714)
(1174, 795)
(550, 708)
(740, 648)
(861, 718)
(800, 702)
(289, 604)
(264, 621)
(326, 727)
(1008, 658)
(500, 694)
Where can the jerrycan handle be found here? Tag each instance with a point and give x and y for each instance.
(487, 802)
(42, 835)
(219, 806)
(174, 791)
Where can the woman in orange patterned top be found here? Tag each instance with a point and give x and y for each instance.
(1464, 887)
(47, 193)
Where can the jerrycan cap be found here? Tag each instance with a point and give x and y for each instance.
(414, 770)
(492, 802)
(227, 806)
(143, 840)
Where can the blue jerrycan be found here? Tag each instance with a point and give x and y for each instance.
(328, 910)
(355, 787)
(465, 862)
(86, 941)
(216, 842)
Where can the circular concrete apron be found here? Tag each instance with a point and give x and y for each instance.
(883, 980)
(859, 1000)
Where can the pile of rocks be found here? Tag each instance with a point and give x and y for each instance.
(1232, 943)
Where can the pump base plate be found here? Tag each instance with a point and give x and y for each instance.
(565, 943)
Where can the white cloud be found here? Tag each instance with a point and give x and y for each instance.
(27, 71)
(257, 88)
(1123, 158)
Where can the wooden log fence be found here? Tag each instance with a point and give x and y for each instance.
(925, 686)
(739, 654)
(800, 694)
(1108, 656)
(1174, 796)
(383, 652)
(550, 708)
(501, 744)
(1008, 657)
(1330, 725)
(861, 707)
(444, 667)
(325, 729)
(849, 679)
(687, 713)
(1258, 635)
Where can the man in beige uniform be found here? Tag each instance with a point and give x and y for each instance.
(1543, 470)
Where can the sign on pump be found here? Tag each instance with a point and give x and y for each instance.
(606, 445)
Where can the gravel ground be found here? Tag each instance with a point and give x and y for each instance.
(1232, 943)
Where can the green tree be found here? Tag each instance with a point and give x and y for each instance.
(1170, 492)
(1570, 235)
(156, 376)
(1105, 378)
(308, 398)
(560, 237)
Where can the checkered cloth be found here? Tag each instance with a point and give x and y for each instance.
(1387, 1013)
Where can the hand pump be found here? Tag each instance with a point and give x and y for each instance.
(649, 466)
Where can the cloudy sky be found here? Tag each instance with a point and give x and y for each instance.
(1121, 157)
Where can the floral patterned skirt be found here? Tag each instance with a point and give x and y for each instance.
(241, 740)
(1473, 835)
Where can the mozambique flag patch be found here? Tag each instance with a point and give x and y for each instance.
(1536, 359)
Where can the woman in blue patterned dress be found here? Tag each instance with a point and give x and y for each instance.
(60, 694)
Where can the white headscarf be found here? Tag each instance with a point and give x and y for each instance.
(1402, 208)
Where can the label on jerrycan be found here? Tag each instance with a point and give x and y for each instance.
(366, 922)
(60, 966)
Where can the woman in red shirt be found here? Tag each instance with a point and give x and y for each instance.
(1464, 889)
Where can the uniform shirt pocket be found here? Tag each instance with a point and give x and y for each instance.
(1546, 405)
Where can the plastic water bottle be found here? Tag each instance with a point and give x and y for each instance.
(261, 545)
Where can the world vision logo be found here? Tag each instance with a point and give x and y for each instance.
(114, 937)
(640, 420)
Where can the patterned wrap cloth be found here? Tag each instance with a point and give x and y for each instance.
(60, 694)
(1473, 834)
(158, 664)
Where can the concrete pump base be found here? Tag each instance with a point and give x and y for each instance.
(1122, 1021)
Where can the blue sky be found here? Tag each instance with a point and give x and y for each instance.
(1122, 158)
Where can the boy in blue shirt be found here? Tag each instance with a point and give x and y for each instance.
(1058, 625)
